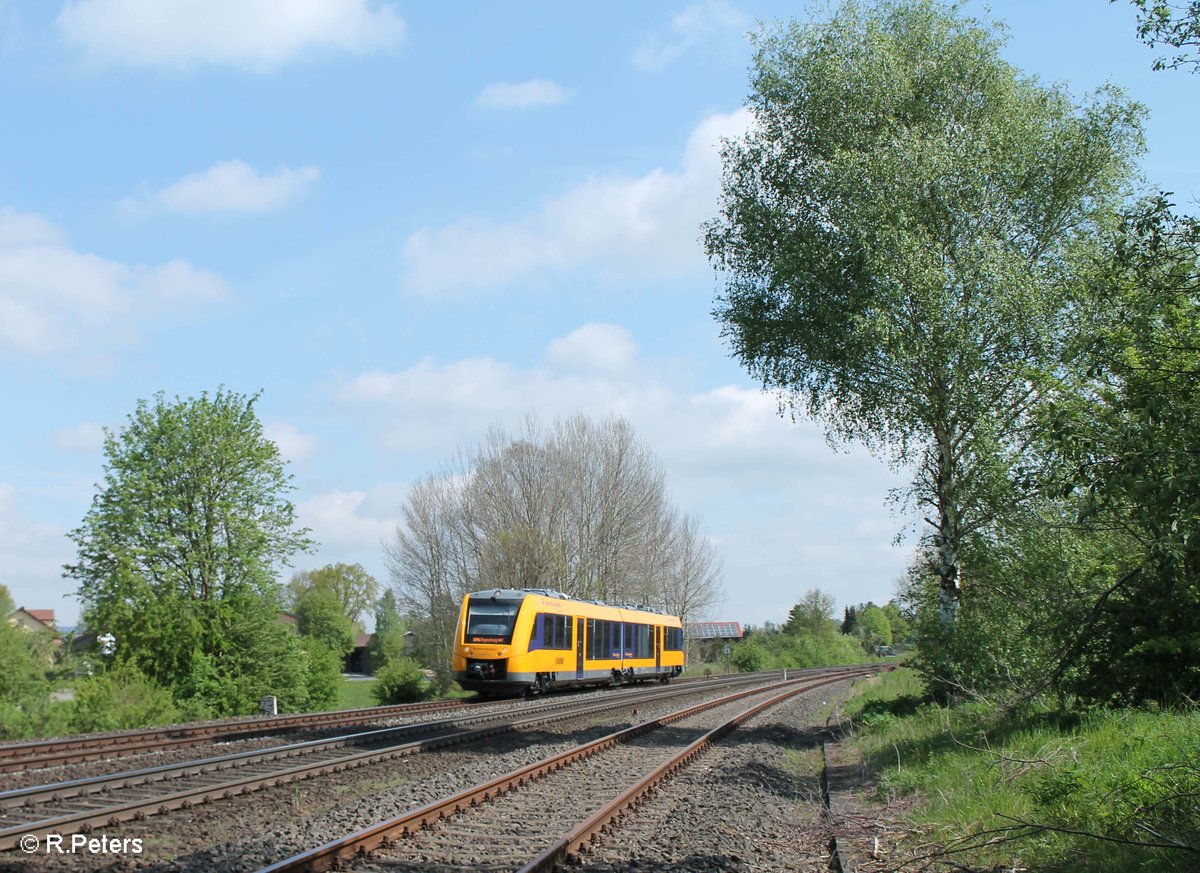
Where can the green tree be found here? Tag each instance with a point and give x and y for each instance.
(897, 621)
(27, 661)
(1124, 441)
(319, 615)
(388, 641)
(813, 615)
(258, 656)
(177, 556)
(356, 589)
(6, 603)
(874, 627)
(898, 232)
(324, 673)
(1175, 25)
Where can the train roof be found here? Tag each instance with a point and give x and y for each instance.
(522, 593)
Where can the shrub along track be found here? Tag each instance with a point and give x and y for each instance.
(100, 801)
(532, 818)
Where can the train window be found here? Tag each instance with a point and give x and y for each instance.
(556, 631)
(637, 640)
(644, 647)
(536, 635)
(491, 621)
(593, 641)
(673, 639)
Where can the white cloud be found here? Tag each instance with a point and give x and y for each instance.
(462, 396)
(34, 553)
(53, 298)
(646, 225)
(22, 229)
(789, 513)
(178, 283)
(596, 368)
(347, 519)
(594, 347)
(231, 186)
(258, 34)
(293, 444)
(522, 95)
(86, 436)
(689, 28)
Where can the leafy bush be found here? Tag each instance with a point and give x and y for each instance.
(263, 657)
(119, 698)
(400, 681)
(324, 674)
(34, 718)
(386, 646)
(25, 682)
(774, 650)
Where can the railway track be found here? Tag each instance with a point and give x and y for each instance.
(83, 804)
(574, 796)
(39, 754)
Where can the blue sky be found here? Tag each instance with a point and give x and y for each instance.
(405, 223)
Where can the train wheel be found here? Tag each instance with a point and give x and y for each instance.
(541, 685)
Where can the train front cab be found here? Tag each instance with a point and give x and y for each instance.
(487, 625)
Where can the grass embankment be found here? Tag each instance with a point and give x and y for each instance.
(354, 694)
(1037, 789)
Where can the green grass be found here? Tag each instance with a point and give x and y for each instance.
(1106, 790)
(355, 694)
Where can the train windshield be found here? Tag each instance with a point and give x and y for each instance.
(491, 621)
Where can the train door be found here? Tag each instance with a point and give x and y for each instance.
(579, 648)
(658, 632)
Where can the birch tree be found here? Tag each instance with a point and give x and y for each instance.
(898, 233)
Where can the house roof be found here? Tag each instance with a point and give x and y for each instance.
(41, 616)
(713, 630)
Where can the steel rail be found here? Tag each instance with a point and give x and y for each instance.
(68, 750)
(382, 834)
(38, 754)
(72, 750)
(90, 791)
(584, 834)
(91, 785)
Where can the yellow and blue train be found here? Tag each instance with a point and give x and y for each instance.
(533, 640)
